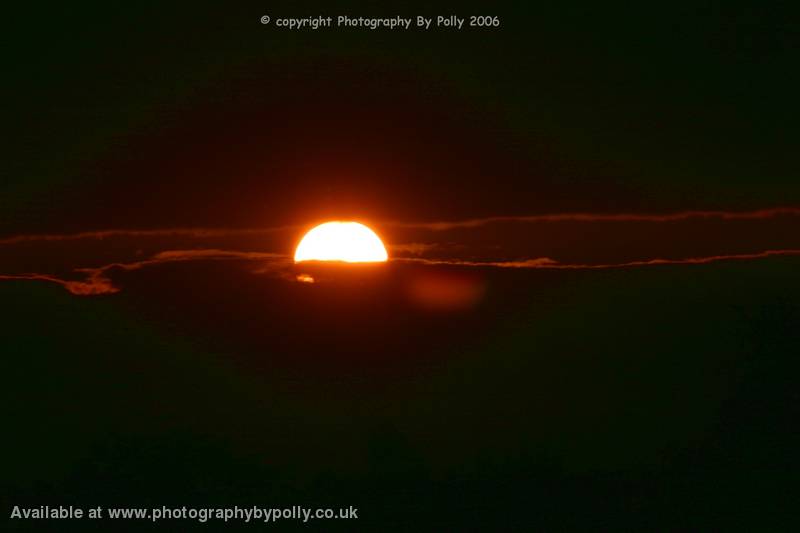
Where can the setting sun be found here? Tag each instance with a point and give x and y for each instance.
(349, 242)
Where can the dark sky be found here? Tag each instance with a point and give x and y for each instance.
(627, 363)
(154, 116)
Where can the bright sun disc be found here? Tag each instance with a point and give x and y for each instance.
(349, 242)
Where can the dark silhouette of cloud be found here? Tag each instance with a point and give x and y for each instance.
(97, 281)
(61, 258)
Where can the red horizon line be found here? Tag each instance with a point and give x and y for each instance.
(547, 263)
(435, 226)
(96, 283)
(609, 217)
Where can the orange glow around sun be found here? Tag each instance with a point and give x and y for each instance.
(348, 242)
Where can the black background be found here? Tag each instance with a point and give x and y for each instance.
(661, 398)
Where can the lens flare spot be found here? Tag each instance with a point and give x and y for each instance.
(443, 291)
